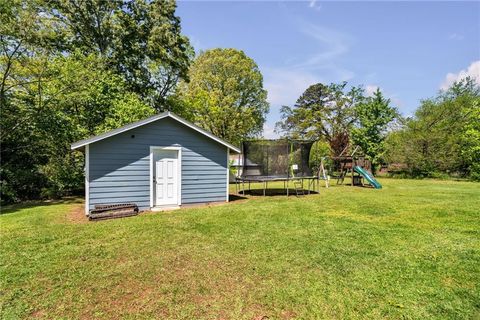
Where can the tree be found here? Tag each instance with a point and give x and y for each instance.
(464, 97)
(320, 152)
(23, 35)
(61, 100)
(323, 112)
(373, 117)
(127, 109)
(70, 69)
(470, 139)
(444, 135)
(225, 94)
(141, 40)
(25, 44)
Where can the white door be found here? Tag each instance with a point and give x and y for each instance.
(166, 177)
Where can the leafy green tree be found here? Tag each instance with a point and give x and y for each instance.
(373, 117)
(464, 97)
(70, 69)
(24, 34)
(127, 109)
(443, 136)
(323, 112)
(320, 152)
(62, 99)
(226, 95)
(470, 139)
(141, 40)
(25, 44)
(47, 100)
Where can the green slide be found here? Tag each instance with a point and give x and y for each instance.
(364, 173)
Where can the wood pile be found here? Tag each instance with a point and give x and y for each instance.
(110, 211)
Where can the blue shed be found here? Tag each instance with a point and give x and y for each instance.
(160, 162)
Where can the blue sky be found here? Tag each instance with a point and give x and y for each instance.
(408, 49)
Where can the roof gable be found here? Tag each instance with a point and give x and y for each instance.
(82, 143)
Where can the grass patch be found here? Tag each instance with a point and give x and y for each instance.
(410, 250)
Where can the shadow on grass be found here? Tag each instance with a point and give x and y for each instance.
(273, 192)
(12, 208)
(236, 197)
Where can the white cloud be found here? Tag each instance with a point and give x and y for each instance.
(472, 71)
(314, 5)
(331, 44)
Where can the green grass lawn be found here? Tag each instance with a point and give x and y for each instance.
(408, 251)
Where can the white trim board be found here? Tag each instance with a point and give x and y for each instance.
(85, 142)
(179, 172)
(87, 179)
(228, 175)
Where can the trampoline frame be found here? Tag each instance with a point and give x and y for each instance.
(266, 179)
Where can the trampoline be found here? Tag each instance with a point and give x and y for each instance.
(284, 160)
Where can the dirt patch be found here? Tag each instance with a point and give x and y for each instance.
(287, 314)
(77, 215)
(37, 314)
(204, 205)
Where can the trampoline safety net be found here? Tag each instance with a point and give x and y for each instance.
(276, 158)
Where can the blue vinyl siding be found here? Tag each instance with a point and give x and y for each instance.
(120, 165)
